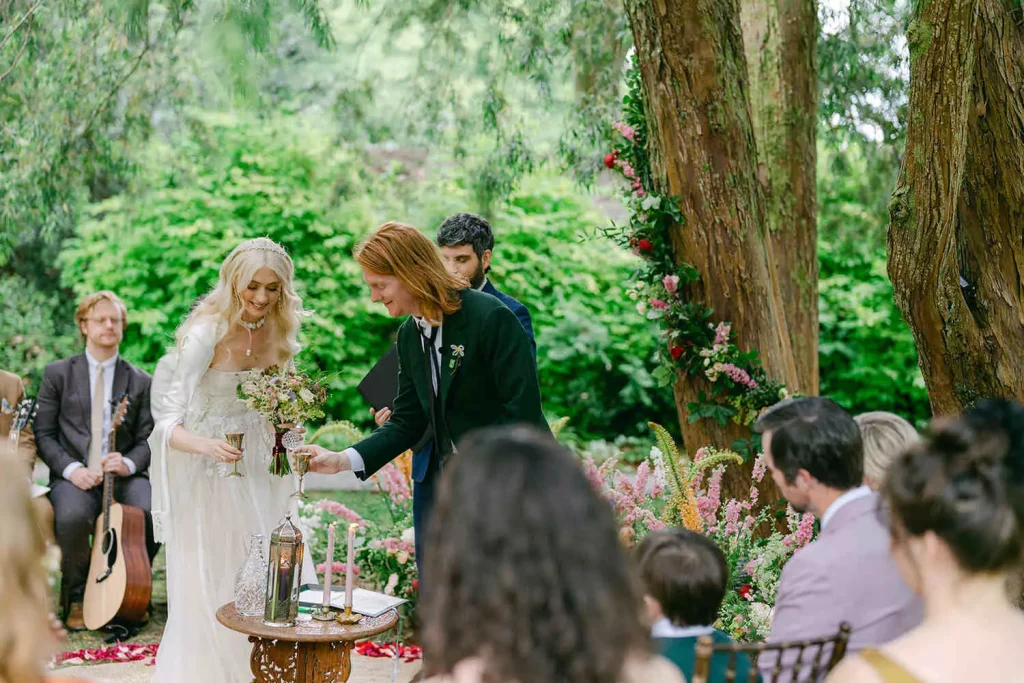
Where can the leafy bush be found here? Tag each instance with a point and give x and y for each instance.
(37, 328)
(866, 352)
(160, 246)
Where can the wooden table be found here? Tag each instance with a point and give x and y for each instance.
(311, 651)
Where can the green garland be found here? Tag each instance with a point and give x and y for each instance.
(737, 386)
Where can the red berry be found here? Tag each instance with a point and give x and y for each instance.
(609, 160)
(744, 590)
(645, 245)
(676, 351)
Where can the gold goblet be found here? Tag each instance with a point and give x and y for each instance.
(301, 465)
(235, 439)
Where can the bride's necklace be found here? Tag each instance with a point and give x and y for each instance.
(249, 327)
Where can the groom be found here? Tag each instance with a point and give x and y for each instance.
(465, 362)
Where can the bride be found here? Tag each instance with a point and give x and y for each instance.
(249, 320)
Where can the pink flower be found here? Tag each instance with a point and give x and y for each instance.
(592, 474)
(737, 375)
(732, 517)
(671, 283)
(643, 473)
(749, 522)
(805, 531)
(760, 467)
(750, 567)
(753, 495)
(658, 304)
(393, 482)
(722, 333)
(336, 508)
(626, 131)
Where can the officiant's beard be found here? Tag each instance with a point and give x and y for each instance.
(478, 277)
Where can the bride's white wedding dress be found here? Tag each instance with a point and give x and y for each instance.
(205, 518)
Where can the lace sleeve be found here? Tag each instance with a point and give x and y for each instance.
(174, 385)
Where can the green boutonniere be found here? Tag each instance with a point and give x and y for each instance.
(458, 353)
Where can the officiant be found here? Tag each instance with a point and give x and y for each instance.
(465, 362)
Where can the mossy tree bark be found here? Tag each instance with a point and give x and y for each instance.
(779, 39)
(702, 149)
(956, 255)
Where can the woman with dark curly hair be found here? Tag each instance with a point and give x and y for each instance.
(528, 581)
(957, 522)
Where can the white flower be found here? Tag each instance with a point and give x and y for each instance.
(306, 395)
(409, 536)
(389, 589)
(641, 307)
(402, 556)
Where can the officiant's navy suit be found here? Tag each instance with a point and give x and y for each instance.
(488, 376)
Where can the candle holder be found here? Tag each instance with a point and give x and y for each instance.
(324, 614)
(284, 575)
(348, 617)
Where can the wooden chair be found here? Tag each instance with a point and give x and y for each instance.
(817, 669)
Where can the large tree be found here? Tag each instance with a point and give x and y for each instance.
(956, 256)
(704, 150)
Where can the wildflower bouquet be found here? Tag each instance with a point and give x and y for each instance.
(284, 397)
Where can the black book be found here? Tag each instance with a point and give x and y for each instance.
(380, 387)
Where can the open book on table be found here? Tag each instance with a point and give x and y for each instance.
(367, 603)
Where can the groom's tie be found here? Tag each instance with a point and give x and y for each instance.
(442, 442)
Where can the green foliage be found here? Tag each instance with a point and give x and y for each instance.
(37, 327)
(866, 352)
(160, 246)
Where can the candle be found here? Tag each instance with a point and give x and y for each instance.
(351, 563)
(329, 569)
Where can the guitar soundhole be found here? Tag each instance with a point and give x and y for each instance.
(110, 551)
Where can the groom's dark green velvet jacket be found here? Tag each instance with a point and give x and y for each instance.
(488, 377)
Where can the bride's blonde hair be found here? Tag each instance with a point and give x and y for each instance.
(223, 305)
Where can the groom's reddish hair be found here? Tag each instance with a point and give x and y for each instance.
(405, 252)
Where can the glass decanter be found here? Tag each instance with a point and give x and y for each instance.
(251, 580)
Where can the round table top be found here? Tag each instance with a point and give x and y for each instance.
(307, 629)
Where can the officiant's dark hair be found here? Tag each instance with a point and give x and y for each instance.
(524, 564)
(467, 228)
(406, 253)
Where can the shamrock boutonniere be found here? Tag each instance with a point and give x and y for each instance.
(458, 353)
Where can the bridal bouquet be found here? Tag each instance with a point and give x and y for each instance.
(284, 397)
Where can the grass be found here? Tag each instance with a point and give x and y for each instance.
(369, 504)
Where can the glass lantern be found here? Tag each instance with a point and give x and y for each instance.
(284, 575)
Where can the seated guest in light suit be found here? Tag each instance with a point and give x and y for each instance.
(684, 577)
(957, 527)
(814, 451)
(72, 426)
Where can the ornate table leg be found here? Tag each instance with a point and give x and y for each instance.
(283, 661)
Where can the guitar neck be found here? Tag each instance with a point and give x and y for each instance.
(108, 483)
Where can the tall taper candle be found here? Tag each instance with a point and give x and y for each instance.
(329, 569)
(351, 563)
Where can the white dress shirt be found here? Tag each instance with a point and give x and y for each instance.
(424, 328)
(663, 628)
(109, 366)
(848, 497)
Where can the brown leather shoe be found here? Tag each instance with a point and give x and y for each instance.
(76, 619)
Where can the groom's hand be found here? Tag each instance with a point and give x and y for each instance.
(324, 461)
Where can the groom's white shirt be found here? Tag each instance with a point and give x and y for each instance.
(425, 328)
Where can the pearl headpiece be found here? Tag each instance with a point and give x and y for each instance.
(259, 244)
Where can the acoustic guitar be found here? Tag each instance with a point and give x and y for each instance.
(120, 580)
(24, 413)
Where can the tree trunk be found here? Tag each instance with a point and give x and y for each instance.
(779, 38)
(702, 149)
(955, 235)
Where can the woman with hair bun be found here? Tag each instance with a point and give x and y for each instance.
(957, 522)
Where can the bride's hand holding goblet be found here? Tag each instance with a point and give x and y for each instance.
(324, 461)
(219, 450)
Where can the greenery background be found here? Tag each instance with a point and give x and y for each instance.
(219, 126)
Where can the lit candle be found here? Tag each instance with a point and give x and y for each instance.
(329, 569)
(350, 565)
